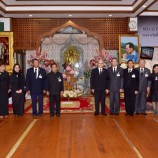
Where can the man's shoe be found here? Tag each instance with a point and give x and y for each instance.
(144, 113)
(39, 114)
(95, 114)
(116, 113)
(35, 114)
(51, 115)
(111, 113)
(104, 114)
(137, 113)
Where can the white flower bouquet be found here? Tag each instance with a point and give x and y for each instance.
(73, 93)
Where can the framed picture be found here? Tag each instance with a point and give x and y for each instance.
(147, 53)
(6, 49)
(129, 48)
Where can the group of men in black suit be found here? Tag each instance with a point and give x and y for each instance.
(38, 83)
(135, 84)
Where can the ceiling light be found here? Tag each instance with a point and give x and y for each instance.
(30, 15)
(70, 15)
(110, 15)
(144, 6)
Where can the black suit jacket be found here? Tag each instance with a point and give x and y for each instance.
(99, 82)
(17, 83)
(35, 86)
(4, 81)
(154, 82)
(54, 83)
(131, 80)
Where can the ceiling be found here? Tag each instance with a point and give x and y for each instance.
(77, 8)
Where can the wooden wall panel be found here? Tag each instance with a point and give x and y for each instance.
(26, 31)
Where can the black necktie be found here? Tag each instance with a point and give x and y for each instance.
(36, 73)
(114, 70)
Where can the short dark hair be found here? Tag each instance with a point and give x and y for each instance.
(129, 61)
(114, 58)
(35, 59)
(131, 45)
(54, 64)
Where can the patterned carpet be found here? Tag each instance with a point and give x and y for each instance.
(84, 104)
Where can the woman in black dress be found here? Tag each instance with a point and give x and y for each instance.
(17, 82)
(154, 88)
(4, 87)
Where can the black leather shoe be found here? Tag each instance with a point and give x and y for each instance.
(104, 114)
(58, 115)
(34, 114)
(111, 113)
(116, 113)
(51, 115)
(137, 113)
(95, 114)
(143, 113)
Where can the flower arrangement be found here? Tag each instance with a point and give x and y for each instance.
(104, 55)
(123, 65)
(73, 93)
(87, 73)
(43, 61)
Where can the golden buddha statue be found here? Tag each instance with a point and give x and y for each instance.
(71, 55)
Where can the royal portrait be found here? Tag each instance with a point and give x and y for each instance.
(129, 48)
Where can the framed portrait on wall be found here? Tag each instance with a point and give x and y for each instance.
(129, 48)
(6, 49)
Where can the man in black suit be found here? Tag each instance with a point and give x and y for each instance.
(99, 86)
(116, 86)
(131, 87)
(54, 88)
(35, 85)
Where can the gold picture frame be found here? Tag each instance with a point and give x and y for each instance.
(129, 48)
(6, 50)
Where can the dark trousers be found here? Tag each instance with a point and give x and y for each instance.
(114, 101)
(140, 105)
(18, 103)
(34, 98)
(52, 100)
(99, 96)
(130, 98)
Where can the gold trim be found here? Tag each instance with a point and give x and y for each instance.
(11, 51)
(70, 23)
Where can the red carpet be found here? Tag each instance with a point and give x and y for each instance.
(74, 105)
